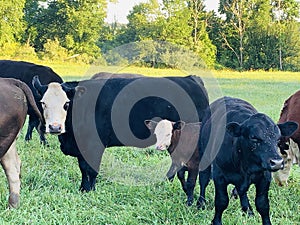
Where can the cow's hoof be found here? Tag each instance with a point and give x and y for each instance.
(44, 142)
(189, 202)
(250, 213)
(234, 194)
(14, 200)
(201, 203)
(27, 138)
(86, 189)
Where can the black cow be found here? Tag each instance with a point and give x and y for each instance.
(25, 71)
(106, 113)
(243, 146)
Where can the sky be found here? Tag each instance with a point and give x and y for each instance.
(119, 11)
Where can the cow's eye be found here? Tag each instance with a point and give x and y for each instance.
(66, 105)
(255, 139)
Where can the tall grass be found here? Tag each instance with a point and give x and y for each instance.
(50, 180)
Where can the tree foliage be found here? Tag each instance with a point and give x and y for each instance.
(243, 35)
(76, 25)
(11, 21)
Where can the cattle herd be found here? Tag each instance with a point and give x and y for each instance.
(227, 141)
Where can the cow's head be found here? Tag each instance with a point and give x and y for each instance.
(55, 102)
(289, 156)
(163, 131)
(257, 141)
(281, 176)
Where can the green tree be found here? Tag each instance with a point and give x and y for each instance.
(237, 14)
(178, 22)
(260, 46)
(202, 43)
(76, 25)
(11, 23)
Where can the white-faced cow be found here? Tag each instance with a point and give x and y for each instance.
(247, 154)
(106, 113)
(25, 71)
(181, 141)
(14, 97)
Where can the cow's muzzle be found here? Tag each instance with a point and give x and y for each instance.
(55, 128)
(162, 147)
(276, 164)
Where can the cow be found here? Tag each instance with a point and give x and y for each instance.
(238, 146)
(15, 97)
(289, 112)
(107, 75)
(181, 141)
(25, 71)
(88, 122)
(290, 157)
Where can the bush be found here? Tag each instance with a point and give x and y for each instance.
(17, 51)
(53, 51)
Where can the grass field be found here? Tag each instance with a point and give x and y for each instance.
(50, 180)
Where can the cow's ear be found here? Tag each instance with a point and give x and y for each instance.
(179, 125)
(150, 124)
(80, 90)
(41, 89)
(288, 128)
(234, 129)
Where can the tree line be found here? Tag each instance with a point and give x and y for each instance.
(243, 35)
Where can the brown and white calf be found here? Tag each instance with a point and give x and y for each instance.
(289, 146)
(290, 156)
(14, 97)
(181, 141)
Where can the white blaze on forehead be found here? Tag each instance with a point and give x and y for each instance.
(163, 132)
(53, 103)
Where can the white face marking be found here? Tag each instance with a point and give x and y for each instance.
(53, 103)
(163, 132)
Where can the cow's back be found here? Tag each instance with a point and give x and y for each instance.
(107, 75)
(291, 112)
(116, 97)
(13, 112)
(25, 71)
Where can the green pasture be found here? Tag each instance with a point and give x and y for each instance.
(130, 188)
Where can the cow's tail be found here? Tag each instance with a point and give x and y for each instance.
(29, 97)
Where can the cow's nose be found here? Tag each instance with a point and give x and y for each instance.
(276, 164)
(55, 128)
(161, 147)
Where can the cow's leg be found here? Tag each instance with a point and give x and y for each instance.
(190, 184)
(245, 204)
(204, 177)
(88, 175)
(234, 193)
(34, 122)
(181, 177)
(30, 127)
(262, 200)
(41, 129)
(12, 165)
(172, 171)
(221, 200)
